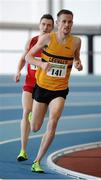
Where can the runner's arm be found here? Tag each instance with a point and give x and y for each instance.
(41, 43)
(21, 63)
(77, 61)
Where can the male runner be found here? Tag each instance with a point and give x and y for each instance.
(46, 25)
(60, 51)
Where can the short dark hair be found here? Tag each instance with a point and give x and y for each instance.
(47, 16)
(64, 11)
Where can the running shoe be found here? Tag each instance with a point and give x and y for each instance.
(22, 156)
(30, 116)
(36, 167)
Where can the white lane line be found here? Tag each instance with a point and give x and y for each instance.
(83, 103)
(67, 103)
(85, 94)
(83, 117)
(10, 122)
(10, 95)
(10, 107)
(57, 133)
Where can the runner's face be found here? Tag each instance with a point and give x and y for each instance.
(46, 25)
(65, 22)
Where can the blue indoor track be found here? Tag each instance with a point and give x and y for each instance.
(80, 123)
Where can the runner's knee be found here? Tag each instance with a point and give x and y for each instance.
(26, 113)
(35, 127)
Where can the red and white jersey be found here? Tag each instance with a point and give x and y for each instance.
(31, 69)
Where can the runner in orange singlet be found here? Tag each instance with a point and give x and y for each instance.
(60, 51)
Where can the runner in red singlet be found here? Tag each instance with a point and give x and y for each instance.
(30, 77)
(46, 25)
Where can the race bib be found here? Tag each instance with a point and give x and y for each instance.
(57, 70)
(34, 67)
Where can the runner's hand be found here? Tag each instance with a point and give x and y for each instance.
(46, 66)
(78, 65)
(17, 77)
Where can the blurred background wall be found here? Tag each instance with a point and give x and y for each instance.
(19, 21)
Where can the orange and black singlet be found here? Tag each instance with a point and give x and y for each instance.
(61, 56)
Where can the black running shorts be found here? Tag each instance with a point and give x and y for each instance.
(45, 96)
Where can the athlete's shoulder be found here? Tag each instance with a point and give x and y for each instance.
(48, 37)
(77, 43)
(35, 38)
(44, 38)
(33, 41)
(76, 38)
